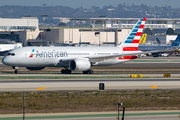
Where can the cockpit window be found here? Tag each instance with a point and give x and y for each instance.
(8, 54)
(12, 54)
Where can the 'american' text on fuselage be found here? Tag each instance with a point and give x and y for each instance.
(52, 54)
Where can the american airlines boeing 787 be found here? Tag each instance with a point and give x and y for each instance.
(76, 58)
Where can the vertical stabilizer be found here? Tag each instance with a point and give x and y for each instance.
(177, 41)
(132, 41)
(158, 41)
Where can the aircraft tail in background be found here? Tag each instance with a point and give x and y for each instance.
(143, 39)
(158, 41)
(177, 41)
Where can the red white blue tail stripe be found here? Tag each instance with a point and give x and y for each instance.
(132, 41)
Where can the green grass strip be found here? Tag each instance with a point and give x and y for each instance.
(85, 116)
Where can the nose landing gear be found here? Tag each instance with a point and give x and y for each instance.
(16, 69)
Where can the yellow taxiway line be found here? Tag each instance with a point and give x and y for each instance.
(154, 86)
(41, 88)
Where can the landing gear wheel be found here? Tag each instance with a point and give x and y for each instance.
(88, 72)
(62, 71)
(16, 71)
(66, 71)
(84, 72)
(91, 71)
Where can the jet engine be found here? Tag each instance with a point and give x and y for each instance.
(35, 68)
(79, 65)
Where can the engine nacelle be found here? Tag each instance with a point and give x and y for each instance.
(79, 65)
(35, 68)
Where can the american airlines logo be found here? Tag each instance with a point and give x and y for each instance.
(49, 53)
(31, 55)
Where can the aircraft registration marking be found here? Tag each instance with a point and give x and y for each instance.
(154, 86)
(41, 88)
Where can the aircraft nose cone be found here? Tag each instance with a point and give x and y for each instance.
(5, 61)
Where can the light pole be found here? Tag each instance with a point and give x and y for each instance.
(99, 38)
(24, 105)
(43, 16)
(27, 39)
(27, 16)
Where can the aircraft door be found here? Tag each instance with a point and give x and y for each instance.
(25, 56)
(121, 51)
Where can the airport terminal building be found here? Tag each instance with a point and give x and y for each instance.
(25, 23)
(103, 31)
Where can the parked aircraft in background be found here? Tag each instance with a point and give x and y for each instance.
(158, 41)
(174, 46)
(8, 47)
(76, 58)
(4, 48)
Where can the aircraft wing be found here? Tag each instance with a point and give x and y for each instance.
(91, 59)
(96, 59)
(102, 58)
(99, 58)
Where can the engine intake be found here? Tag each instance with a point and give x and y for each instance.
(79, 65)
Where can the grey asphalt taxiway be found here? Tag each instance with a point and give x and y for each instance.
(89, 84)
(162, 63)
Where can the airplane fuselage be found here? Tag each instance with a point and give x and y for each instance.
(52, 56)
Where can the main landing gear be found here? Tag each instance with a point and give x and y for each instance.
(66, 71)
(88, 72)
(16, 69)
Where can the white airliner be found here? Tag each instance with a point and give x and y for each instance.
(76, 58)
(8, 47)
